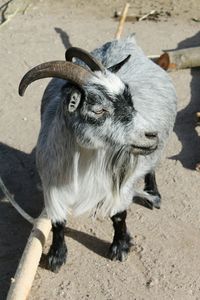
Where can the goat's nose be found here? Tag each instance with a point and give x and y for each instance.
(151, 135)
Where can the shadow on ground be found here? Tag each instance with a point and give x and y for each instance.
(19, 174)
(93, 243)
(185, 125)
(64, 37)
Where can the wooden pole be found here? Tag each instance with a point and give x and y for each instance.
(185, 58)
(181, 59)
(121, 22)
(24, 276)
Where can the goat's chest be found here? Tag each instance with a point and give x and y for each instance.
(97, 179)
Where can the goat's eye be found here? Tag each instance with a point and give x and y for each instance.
(99, 112)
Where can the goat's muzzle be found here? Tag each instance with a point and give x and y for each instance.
(149, 144)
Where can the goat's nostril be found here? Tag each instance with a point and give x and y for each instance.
(151, 135)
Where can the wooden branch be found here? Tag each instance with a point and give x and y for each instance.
(121, 22)
(180, 59)
(129, 18)
(147, 15)
(24, 276)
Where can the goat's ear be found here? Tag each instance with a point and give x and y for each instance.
(117, 67)
(74, 100)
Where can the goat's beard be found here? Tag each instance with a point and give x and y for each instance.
(121, 164)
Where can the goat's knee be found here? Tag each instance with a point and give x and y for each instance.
(58, 251)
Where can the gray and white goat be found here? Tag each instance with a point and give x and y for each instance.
(104, 123)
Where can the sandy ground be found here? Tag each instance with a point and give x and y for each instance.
(165, 260)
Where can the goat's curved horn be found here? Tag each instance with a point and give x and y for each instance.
(59, 69)
(86, 57)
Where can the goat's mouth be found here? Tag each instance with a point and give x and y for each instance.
(143, 150)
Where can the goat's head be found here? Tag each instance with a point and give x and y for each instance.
(96, 104)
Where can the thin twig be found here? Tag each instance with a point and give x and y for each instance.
(14, 203)
(129, 18)
(26, 8)
(147, 15)
(3, 10)
(122, 20)
(5, 4)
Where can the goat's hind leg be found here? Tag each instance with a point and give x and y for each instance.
(152, 189)
(58, 251)
(122, 241)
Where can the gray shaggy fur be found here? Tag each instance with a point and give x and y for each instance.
(86, 167)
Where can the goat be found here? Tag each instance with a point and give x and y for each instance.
(104, 123)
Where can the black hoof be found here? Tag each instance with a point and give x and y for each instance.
(143, 202)
(119, 249)
(157, 201)
(56, 258)
(154, 202)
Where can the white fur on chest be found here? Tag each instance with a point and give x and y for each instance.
(88, 187)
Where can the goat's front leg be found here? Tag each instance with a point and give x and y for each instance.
(122, 241)
(58, 251)
(152, 189)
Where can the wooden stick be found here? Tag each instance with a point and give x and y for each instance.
(24, 276)
(147, 15)
(121, 22)
(181, 59)
(129, 18)
(185, 58)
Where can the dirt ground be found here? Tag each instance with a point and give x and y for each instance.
(165, 260)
